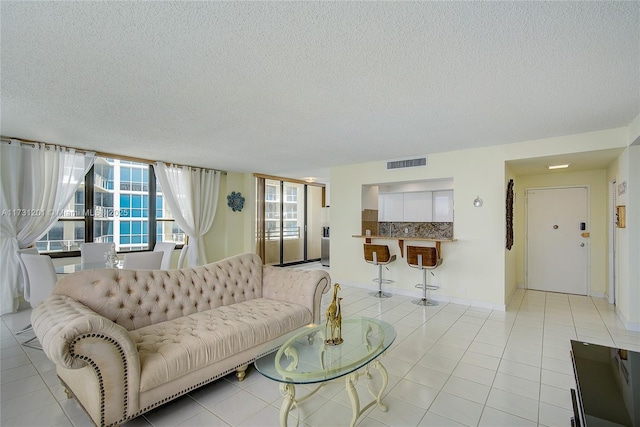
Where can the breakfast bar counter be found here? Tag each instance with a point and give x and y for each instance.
(401, 240)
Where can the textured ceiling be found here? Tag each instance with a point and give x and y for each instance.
(292, 88)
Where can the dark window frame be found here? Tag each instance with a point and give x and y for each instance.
(89, 186)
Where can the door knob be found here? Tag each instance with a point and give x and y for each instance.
(582, 245)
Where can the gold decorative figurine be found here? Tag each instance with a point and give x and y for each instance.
(334, 320)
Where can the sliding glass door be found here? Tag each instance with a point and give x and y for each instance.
(288, 221)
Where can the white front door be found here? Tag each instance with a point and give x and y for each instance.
(557, 253)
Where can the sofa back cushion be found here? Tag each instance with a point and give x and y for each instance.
(138, 298)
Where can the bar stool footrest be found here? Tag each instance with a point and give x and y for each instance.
(429, 287)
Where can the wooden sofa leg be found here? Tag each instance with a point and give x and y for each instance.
(67, 392)
(241, 372)
(66, 389)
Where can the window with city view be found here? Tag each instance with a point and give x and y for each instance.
(120, 211)
(290, 207)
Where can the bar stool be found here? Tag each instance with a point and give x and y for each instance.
(379, 255)
(424, 258)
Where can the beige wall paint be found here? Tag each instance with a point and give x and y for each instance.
(475, 266)
(510, 262)
(231, 232)
(579, 143)
(633, 224)
(627, 251)
(627, 170)
(596, 182)
(471, 269)
(613, 173)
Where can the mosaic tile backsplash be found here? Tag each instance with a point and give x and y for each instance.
(428, 230)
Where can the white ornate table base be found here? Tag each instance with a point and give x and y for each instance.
(289, 393)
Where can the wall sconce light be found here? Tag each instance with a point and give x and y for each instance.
(477, 202)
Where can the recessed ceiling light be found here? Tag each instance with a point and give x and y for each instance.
(563, 166)
(310, 179)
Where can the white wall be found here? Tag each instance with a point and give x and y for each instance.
(627, 169)
(475, 266)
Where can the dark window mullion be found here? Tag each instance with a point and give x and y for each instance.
(88, 204)
(152, 208)
(281, 237)
(304, 223)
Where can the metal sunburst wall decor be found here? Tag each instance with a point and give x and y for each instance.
(235, 201)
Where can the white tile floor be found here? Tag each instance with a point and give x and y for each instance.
(451, 365)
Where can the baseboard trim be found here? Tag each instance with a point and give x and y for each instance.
(629, 325)
(591, 294)
(432, 295)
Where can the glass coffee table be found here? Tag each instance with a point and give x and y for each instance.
(302, 357)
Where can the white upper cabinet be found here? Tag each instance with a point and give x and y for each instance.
(418, 207)
(443, 206)
(391, 207)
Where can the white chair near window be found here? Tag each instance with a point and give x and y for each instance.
(167, 249)
(143, 260)
(25, 281)
(42, 278)
(93, 253)
(183, 256)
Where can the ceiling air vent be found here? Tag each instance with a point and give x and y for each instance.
(407, 163)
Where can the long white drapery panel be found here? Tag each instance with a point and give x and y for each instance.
(38, 182)
(192, 197)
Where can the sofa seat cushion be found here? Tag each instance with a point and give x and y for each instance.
(176, 347)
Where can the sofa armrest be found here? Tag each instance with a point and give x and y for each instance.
(303, 287)
(73, 336)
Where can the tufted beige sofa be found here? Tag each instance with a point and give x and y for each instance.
(126, 341)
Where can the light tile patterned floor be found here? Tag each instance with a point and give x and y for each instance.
(451, 365)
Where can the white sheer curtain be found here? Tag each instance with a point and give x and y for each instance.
(38, 182)
(192, 197)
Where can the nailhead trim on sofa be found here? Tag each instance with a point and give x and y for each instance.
(94, 366)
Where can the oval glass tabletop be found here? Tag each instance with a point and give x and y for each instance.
(302, 357)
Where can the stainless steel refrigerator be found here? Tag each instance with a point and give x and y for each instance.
(324, 247)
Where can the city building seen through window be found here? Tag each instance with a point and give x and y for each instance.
(119, 201)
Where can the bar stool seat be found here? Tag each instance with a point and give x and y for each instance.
(379, 255)
(425, 259)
